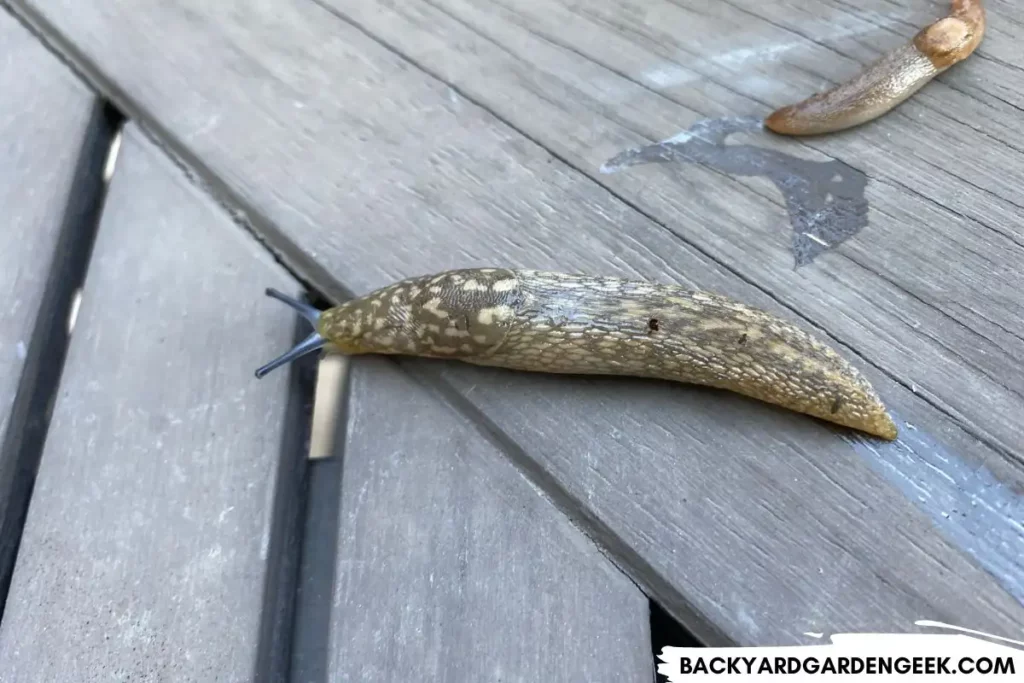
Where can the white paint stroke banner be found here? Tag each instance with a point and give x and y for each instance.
(968, 655)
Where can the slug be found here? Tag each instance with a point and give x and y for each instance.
(576, 324)
(889, 81)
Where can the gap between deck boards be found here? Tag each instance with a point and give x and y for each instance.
(319, 283)
(278, 617)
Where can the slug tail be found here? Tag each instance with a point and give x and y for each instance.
(875, 420)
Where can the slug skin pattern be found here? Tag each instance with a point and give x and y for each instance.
(574, 324)
(888, 82)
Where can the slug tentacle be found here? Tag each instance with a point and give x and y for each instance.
(314, 342)
(576, 324)
(891, 79)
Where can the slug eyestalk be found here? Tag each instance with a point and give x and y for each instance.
(314, 342)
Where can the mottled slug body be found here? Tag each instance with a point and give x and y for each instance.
(889, 81)
(561, 323)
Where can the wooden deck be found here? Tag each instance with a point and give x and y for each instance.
(159, 517)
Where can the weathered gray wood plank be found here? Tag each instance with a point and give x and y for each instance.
(451, 567)
(145, 552)
(46, 119)
(922, 287)
(43, 118)
(465, 43)
(749, 524)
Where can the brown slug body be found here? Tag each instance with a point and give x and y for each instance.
(576, 324)
(889, 81)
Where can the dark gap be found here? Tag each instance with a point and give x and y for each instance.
(311, 637)
(318, 300)
(295, 620)
(22, 448)
(314, 589)
(273, 650)
(667, 632)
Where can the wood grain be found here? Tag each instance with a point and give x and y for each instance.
(450, 567)
(145, 553)
(922, 287)
(453, 135)
(47, 120)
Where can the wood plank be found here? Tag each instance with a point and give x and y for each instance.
(147, 548)
(49, 129)
(464, 43)
(750, 529)
(923, 287)
(450, 567)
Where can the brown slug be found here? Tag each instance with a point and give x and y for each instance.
(891, 79)
(576, 324)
